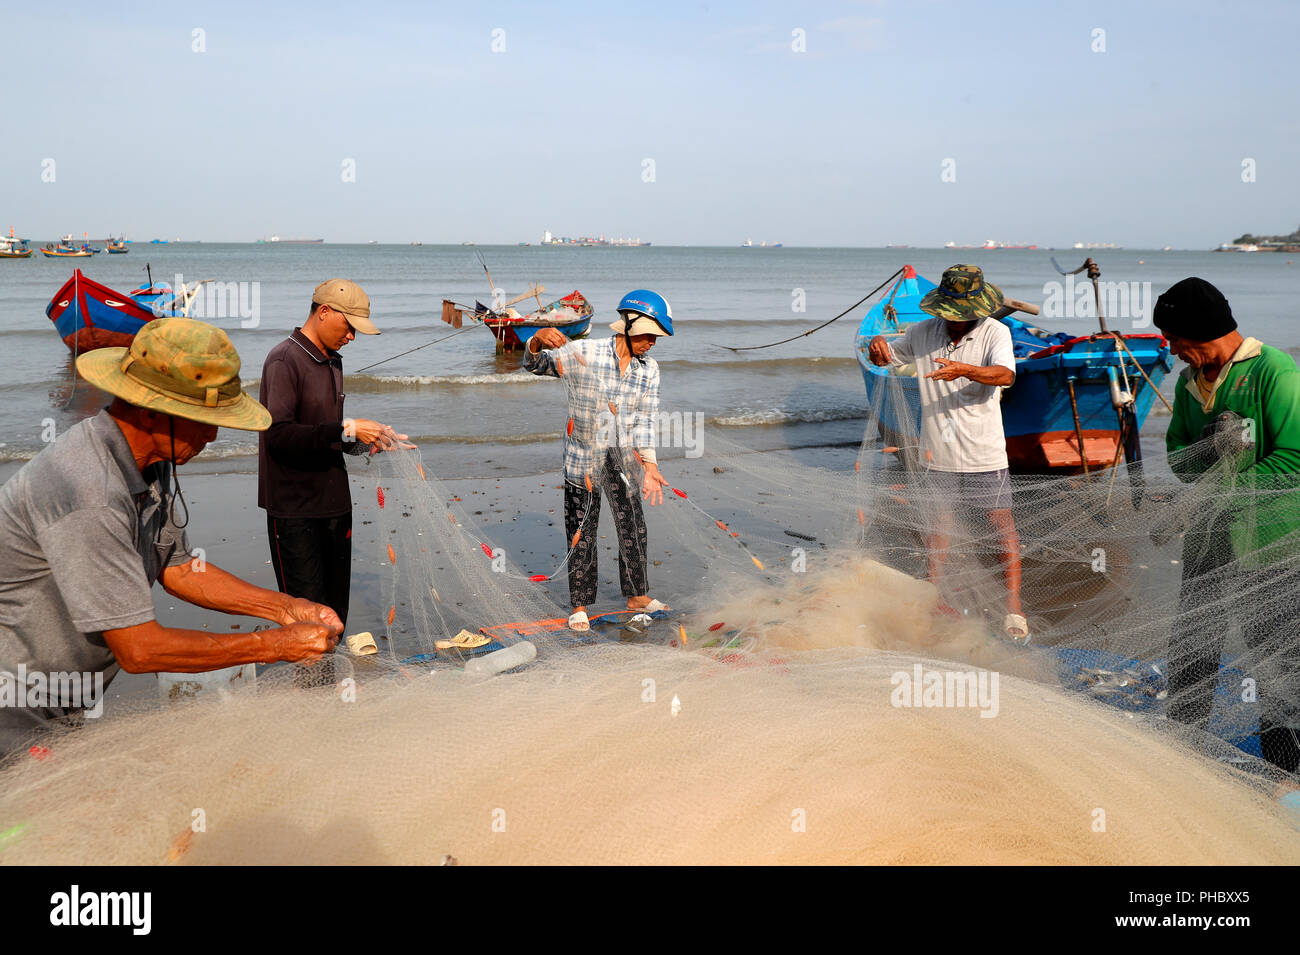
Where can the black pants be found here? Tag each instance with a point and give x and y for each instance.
(312, 557)
(582, 511)
(1270, 629)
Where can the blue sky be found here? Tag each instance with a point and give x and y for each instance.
(842, 144)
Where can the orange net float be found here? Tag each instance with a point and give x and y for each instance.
(721, 526)
(862, 518)
(420, 470)
(486, 549)
(379, 493)
(538, 578)
(180, 845)
(889, 450)
(392, 615)
(569, 429)
(857, 466)
(735, 533)
(717, 626)
(577, 536)
(681, 494)
(757, 563)
(682, 631)
(392, 555)
(587, 479)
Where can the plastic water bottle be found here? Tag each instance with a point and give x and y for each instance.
(499, 661)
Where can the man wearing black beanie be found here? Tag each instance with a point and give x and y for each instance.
(1236, 431)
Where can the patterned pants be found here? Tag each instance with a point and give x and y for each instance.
(582, 511)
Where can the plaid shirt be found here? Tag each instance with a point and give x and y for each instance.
(592, 386)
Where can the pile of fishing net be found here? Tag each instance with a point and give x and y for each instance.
(810, 697)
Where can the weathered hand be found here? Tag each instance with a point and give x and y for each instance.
(549, 338)
(878, 351)
(652, 486)
(299, 610)
(950, 370)
(304, 642)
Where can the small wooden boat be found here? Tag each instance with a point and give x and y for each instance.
(12, 247)
(116, 247)
(88, 315)
(512, 330)
(68, 249)
(1068, 390)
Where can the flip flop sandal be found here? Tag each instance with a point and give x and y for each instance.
(464, 641)
(579, 622)
(654, 606)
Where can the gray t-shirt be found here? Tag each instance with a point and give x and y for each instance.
(961, 420)
(83, 537)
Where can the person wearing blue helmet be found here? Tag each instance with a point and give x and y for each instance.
(612, 430)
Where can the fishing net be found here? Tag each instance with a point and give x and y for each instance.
(809, 697)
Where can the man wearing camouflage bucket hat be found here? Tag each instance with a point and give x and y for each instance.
(962, 363)
(90, 523)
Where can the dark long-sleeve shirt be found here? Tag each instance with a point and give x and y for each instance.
(300, 469)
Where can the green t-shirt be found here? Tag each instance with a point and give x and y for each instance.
(1263, 495)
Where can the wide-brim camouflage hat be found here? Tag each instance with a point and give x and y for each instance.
(962, 296)
(181, 367)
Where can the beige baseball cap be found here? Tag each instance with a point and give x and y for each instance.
(347, 297)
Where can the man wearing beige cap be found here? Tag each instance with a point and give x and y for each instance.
(90, 523)
(302, 482)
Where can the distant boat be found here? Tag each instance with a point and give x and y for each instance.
(68, 249)
(88, 315)
(570, 315)
(12, 247)
(157, 241)
(276, 238)
(116, 247)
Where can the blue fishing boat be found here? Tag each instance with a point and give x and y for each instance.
(88, 315)
(570, 315)
(1072, 395)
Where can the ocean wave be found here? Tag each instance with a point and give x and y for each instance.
(394, 382)
(771, 416)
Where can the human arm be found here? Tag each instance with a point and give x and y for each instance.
(102, 582)
(539, 357)
(150, 647)
(984, 374)
(1280, 427)
(1186, 465)
(645, 439)
(307, 630)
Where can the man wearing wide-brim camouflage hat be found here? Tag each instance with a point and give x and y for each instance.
(90, 523)
(963, 362)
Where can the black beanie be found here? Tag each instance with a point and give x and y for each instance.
(1194, 309)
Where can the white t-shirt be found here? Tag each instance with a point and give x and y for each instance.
(961, 420)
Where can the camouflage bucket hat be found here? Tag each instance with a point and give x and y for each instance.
(962, 296)
(181, 367)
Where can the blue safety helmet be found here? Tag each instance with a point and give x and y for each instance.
(650, 304)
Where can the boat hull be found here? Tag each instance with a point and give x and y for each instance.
(16, 255)
(513, 335)
(57, 254)
(88, 315)
(1037, 415)
(570, 316)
